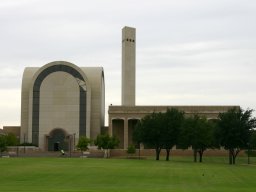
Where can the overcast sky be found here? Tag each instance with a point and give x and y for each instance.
(189, 52)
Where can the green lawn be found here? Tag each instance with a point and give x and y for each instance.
(80, 174)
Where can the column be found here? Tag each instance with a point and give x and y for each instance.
(110, 129)
(125, 133)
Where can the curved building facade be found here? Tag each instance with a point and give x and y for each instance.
(60, 103)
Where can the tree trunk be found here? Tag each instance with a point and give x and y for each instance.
(230, 157)
(195, 155)
(167, 154)
(201, 155)
(234, 159)
(158, 150)
(234, 155)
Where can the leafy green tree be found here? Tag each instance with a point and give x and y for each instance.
(252, 142)
(83, 143)
(148, 131)
(160, 130)
(137, 136)
(197, 132)
(131, 150)
(171, 126)
(234, 129)
(106, 142)
(3, 144)
(11, 139)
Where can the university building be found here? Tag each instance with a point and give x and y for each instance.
(61, 102)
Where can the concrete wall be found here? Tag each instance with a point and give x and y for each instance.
(96, 79)
(59, 105)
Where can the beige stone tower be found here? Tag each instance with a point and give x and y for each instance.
(60, 103)
(128, 66)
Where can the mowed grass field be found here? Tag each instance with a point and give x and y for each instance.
(86, 174)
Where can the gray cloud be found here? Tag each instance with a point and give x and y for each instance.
(188, 52)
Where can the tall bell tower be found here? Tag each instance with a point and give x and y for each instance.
(128, 66)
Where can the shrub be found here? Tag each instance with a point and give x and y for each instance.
(131, 149)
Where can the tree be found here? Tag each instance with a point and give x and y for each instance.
(252, 142)
(106, 142)
(197, 132)
(7, 140)
(149, 130)
(160, 130)
(3, 144)
(11, 139)
(234, 129)
(83, 143)
(172, 123)
(131, 150)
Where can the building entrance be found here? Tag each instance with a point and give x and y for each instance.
(58, 140)
(56, 146)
